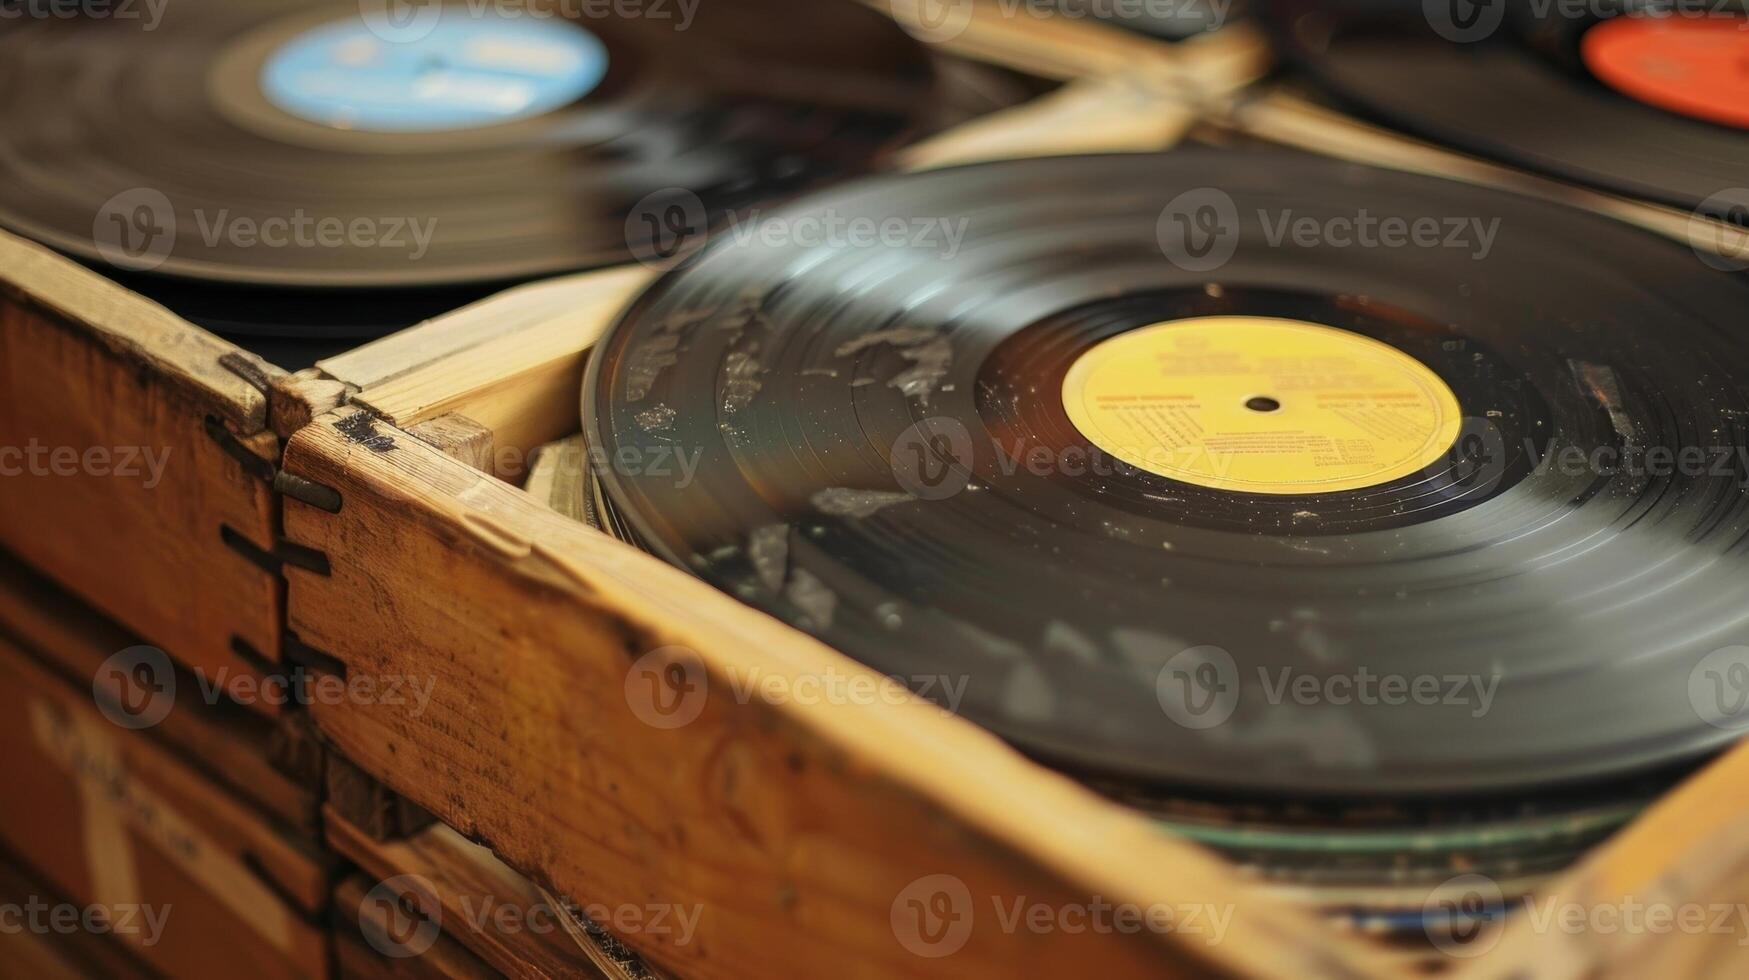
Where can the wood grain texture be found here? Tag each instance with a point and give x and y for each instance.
(1100, 115)
(111, 817)
(42, 955)
(366, 806)
(558, 478)
(495, 913)
(135, 330)
(797, 828)
(512, 363)
(357, 910)
(159, 448)
(457, 437)
(228, 743)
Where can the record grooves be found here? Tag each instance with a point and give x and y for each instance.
(281, 144)
(1515, 83)
(816, 381)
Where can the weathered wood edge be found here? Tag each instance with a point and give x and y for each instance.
(1688, 855)
(925, 778)
(219, 377)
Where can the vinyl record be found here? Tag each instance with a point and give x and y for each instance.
(1162, 479)
(1647, 105)
(290, 144)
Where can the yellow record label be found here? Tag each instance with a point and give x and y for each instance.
(1262, 405)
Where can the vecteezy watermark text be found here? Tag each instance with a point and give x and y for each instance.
(1470, 21)
(403, 916)
(410, 21)
(672, 223)
(936, 916)
(138, 688)
(140, 923)
(941, 21)
(138, 230)
(143, 463)
(1465, 916)
(149, 13)
(1200, 230)
(669, 687)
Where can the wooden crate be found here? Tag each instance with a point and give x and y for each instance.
(362, 927)
(147, 449)
(187, 818)
(275, 765)
(798, 828)
(56, 954)
(502, 919)
(171, 526)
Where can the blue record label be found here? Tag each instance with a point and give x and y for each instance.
(464, 68)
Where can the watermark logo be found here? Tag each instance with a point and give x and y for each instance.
(1719, 230)
(934, 21)
(1462, 917)
(136, 229)
(150, 13)
(1477, 458)
(143, 924)
(1199, 687)
(401, 21)
(144, 463)
(932, 459)
(1718, 688)
(1199, 229)
(938, 236)
(1465, 916)
(401, 917)
(932, 917)
(1464, 21)
(667, 226)
(667, 688)
(135, 688)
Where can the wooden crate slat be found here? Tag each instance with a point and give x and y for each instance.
(227, 742)
(795, 826)
(110, 816)
(87, 366)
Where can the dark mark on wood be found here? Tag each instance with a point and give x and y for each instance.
(361, 428)
(308, 491)
(243, 367)
(252, 464)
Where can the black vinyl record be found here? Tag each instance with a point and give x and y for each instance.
(259, 142)
(876, 442)
(1511, 81)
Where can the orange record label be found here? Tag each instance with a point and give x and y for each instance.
(1697, 66)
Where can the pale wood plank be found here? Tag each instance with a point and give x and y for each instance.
(1690, 851)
